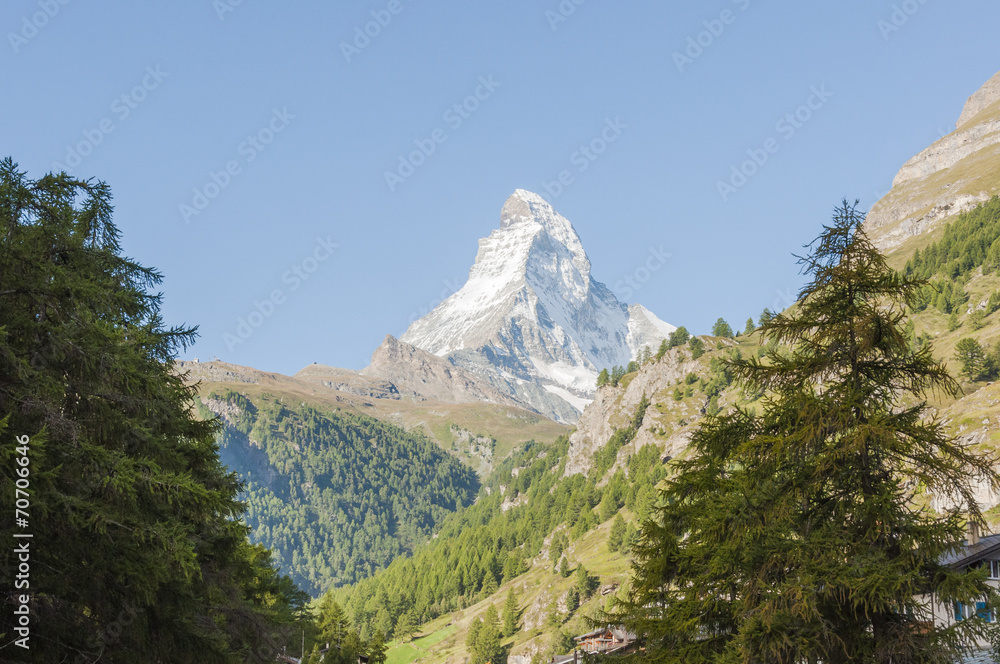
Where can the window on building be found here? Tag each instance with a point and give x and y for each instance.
(959, 611)
(994, 569)
(983, 613)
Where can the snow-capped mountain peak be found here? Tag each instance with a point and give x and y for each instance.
(531, 319)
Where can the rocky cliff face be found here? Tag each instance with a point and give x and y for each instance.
(668, 423)
(417, 372)
(531, 320)
(953, 175)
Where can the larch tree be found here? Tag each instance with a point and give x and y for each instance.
(137, 551)
(797, 534)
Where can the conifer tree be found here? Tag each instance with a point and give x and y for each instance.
(794, 535)
(135, 522)
(629, 539)
(405, 626)
(485, 644)
(511, 614)
(586, 583)
(616, 534)
(679, 337)
(722, 329)
(333, 623)
(377, 648)
(603, 378)
(972, 356)
(472, 636)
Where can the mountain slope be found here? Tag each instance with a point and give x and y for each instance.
(546, 502)
(335, 496)
(955, 174)
(531, 318)
(475, 432)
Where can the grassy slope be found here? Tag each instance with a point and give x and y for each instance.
(442, 641)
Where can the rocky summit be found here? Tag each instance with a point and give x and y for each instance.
(531, 319)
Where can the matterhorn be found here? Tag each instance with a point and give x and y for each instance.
(531, 320)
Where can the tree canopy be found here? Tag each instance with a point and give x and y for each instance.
(722, 329)
(138, 551)
(795, 534)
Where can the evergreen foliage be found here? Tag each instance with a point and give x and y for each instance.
(969, 243)
(484, 640)
(678, 337)
(138, 551)
(511, 614)
(605, 456)
(586, 583)
(793, 535)
(616, 534)
(483, 540)
(603, 378)
(978, 363)
(377, 649)
(630, 538)
(722, 329)
(697, 347)
(336, 495)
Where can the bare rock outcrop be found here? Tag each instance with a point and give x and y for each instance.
(953, 175)
(980, 100)
(416, 372)
(614, 406)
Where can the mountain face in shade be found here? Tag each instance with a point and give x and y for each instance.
(531, 319)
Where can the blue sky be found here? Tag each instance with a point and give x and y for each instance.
(243, 140)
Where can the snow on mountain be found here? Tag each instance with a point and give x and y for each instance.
(531, 319)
